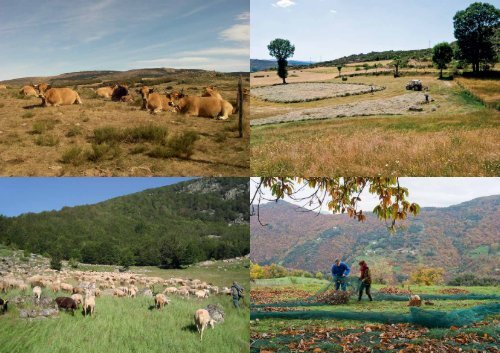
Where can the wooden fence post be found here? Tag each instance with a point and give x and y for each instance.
(240, 106)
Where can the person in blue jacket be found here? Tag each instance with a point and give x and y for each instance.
(340, 271)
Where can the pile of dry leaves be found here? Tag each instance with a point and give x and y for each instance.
(269, 295)
(333, 297)
(454, 291)
(394, 290)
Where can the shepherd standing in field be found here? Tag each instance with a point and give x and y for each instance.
(340, 271)
(237, 294)
(365, 280)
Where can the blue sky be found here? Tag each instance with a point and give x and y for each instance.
(21, 195)
(329, 29)
(39, 38)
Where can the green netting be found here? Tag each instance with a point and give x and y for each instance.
(353, 287)
(422, 317)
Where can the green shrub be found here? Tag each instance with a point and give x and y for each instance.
(73, 155)
(55, 263)
(47, 140)
(182, 145)
(469, 279)
(74, 131)
(73, 263)
(107, 134)
(102, 151)
(152, 133)
(41, 126)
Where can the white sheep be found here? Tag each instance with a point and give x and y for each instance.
(78, 298)
(202, 319)
(161, 300)
(89, 305)
(37, 292)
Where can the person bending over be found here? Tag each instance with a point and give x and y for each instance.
(340, 271)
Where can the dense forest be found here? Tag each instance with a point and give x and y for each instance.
(171, 226)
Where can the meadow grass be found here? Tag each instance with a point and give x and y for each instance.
(128, 325)
(132, 324)
(458, 138)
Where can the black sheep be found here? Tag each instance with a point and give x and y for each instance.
(3, 306)
(66, 303)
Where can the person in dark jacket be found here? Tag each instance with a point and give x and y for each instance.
(365, 280)
(237, 294)
(340, 271)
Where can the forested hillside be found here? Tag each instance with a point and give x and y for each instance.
(460, 239)
(171, 226)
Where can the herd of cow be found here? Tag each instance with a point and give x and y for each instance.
(94, 284)
(210, 104)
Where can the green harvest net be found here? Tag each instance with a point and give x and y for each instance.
(418, 316)
(353, 287)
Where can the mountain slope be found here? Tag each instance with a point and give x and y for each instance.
(208, 216)
(461, 238)
(259, 65)
(131, 76)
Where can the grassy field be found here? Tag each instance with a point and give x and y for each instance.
(279, 335)
(455, 135)
(104, 138)
(132, 324)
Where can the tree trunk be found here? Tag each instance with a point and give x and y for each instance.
(441, 73)
(284, 81)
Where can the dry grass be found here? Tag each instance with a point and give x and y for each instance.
(459, 139)
(487, 90)
(57, 141)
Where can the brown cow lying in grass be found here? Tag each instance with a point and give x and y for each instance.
(28, 90)
(154, 102)
(209, 107)
(57, 96)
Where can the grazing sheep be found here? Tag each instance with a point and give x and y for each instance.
(202, 319)
(119, 293)
(132, 292)
(161, 300)
(97, 292)
(200, 294)
(3, 306)
(170, 290)
(67, 287)
(89, 305)
(78, 290)
(78, 298)
(66, 304)
(37, 292)
(23, 287)
(183, 292)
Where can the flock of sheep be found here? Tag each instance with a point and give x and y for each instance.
(210, 104)
(95, 284)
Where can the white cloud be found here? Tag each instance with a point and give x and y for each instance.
(284, 3)
(218, 51)
(243, 16)
(236, 33)
(333, 11)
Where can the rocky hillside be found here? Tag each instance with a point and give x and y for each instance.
(461, 238)
(199, 219)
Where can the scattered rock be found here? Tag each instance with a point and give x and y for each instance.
(415, 109)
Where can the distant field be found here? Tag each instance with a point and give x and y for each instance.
(487, 90)
(131, 324)
(61, 141)
(349, 335)
(455, 135)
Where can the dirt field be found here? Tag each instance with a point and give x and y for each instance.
(455, 135)
(62, 141)
(306, 92)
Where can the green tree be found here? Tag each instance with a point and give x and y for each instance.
(281, 49)
(396, 62)
(339, 67)
(475, 29)
(344, 195)
(442, 54)
(55, 262)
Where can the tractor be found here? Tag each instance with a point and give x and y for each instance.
(414, 85)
